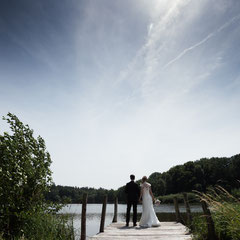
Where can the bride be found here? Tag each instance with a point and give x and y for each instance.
(148, 218)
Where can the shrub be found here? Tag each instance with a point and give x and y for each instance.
(25, 176)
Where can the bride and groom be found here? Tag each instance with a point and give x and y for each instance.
(134, 195)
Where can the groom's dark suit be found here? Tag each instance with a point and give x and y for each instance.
(133, 192)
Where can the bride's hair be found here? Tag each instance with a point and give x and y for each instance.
(144, 178)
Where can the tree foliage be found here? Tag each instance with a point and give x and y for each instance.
(24, 175)
(202, 174)
(193, 175)
(158, 184)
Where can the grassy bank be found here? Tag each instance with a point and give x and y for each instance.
(171, 217)
(192, 198)
(225, 209)
(47, 226)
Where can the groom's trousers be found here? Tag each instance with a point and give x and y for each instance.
(129, 205)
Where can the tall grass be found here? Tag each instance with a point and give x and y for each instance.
(44, 226)
(225, 209)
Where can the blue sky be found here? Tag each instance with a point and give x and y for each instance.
(124, 86)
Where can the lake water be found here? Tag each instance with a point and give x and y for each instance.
(94, 214)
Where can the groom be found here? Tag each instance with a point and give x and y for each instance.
(132, 191)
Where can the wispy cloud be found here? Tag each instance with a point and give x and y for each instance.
(145, 65)
(209, 36)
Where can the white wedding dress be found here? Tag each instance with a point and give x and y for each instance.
(148, 218)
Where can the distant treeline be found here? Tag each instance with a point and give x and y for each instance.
(193, 175)
(66, 194)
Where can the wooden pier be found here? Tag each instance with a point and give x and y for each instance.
(166, 231)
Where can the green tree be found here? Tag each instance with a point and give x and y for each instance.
(158, 184)
(24, 176)
(121, 194)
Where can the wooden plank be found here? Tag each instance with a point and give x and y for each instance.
(210, 223)
(104, 207)
(188, 210)
(115, 210)
(83, 221)
(166, 231)
(177, 212)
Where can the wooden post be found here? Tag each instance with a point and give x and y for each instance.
(210, 223)
(115, 210)
(178, 218)
(83, 221)
(189, 216)
(104, 206)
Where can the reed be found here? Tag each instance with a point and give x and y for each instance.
(225, 210)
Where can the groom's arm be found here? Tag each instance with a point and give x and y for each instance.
(140, 193)
(139, 190)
